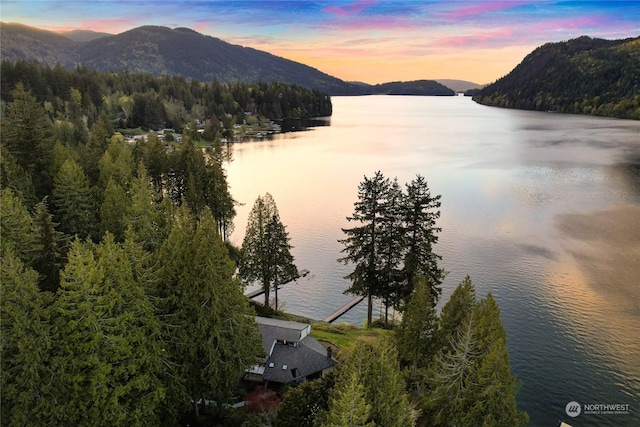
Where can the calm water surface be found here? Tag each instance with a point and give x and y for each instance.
(541, 209)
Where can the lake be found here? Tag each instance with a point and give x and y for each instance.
(540, 209)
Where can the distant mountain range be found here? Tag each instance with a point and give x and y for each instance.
(584, 75)
(160, 50)
(459, 85)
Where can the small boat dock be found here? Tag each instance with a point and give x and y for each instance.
(342, 310)
(260, 290)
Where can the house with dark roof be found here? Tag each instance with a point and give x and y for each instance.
(293, 355)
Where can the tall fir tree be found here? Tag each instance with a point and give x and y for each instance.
(470, 380)
(106, 348)
(74, 201)
(495, 389)
(113, 211)
(25, 345)
(210, 333)
(455, 311)
(348, 406)
(364, 243)
(148, 215)
(419, 213)
(117, 164)
(16, 228)
(156, 160)
(385, 388)
(417, 336)
(393, 289)
(266, 252)
(26, 133)
(92, 152)
(13, 176)
(51, 245)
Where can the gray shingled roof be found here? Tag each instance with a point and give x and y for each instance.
(283, 330)
(305, 358)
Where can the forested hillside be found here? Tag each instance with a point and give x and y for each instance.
(164, 51)
(583, 75)
(74, 99)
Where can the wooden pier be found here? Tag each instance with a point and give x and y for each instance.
(342, 310)
(260, 291)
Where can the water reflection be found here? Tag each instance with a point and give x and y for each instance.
(540, 209)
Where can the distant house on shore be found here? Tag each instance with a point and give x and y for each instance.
(293, 355)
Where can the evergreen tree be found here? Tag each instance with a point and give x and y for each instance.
(62, 153)
(96, 146)
(24, 343)
(364, 243)
(74, 202)
(452, 379)
(13, 176)
(417, 337)
(266, 252)
(470, 380)
(348, 406)
(48, 258)
(455, 311)
(117, 164)
(419, 216)
(495, 388)
(219, 198)
(156, 160)
(26, 133)
(148, 217)
(385, 388)
(393, 246)
(302, 405)
(187, 177)
(16, 228)
(105, 343)
(113, 212)
(209, 331)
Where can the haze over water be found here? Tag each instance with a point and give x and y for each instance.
(541, 209)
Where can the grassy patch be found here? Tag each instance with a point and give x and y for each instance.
(345, 336)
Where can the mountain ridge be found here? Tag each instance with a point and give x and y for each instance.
(180, 51)
(83, 35)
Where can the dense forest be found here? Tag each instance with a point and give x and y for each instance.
(121, 302)
(76, 98)
(583, 75)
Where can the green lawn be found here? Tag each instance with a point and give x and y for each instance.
(345, 336)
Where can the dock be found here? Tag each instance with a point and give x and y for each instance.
(260, 291)
(342, 310)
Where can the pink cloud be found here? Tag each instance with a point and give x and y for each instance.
(354, 8)
(483, 7)
(113, 26)
(566, 24)
(483, 39)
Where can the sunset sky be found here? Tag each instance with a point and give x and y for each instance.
(365, 40)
